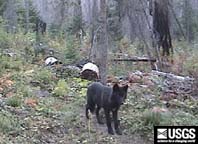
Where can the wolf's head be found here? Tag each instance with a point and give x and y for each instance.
(119, 94)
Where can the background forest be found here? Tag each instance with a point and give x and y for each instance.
(151, 45)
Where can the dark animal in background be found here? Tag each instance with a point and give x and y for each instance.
(110, 99)
(40, 26)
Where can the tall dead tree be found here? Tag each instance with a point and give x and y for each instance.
(100, 42)
(159, 11)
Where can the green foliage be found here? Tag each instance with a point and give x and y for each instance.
(2, 6)
(80, 86)
(14, 101)
(25, 90)
(61, 89)
(156, 118)
(18, 43)
(191, 64)
(43, 75)
(5, 40)
(21, 13)
(189, 21)
(185, 58)
(74, 27)
(184, 118)
(71, 50)
(10, 64)
(8, 122)
(55, 32)
(114, 24)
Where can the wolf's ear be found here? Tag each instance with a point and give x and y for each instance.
(116, 87)
(125, 88)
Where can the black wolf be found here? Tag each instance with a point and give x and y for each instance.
(108, 98)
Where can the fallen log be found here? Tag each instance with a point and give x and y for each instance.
(175, 84)
(170, 75)
(135, 59)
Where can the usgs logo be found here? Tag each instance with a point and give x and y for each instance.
(181, 133)
(175, 134)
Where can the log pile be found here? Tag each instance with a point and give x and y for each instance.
(175, 84)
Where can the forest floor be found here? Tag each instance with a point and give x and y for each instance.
(36, 107)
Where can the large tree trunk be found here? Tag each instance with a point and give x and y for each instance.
(10, 14)
(93, 25)
(161, 26)
(100, 42)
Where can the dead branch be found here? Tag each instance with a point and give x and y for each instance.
(136, 59)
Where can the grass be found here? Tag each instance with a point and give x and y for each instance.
(61, 89)
(61, 116)
(8, 122)
(14, 101)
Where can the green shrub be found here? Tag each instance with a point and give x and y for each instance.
(185, 58)
(10, 64)
(61, 89)
(71, 52)
(156, 118)
(8, 122)
(4, 36)
(14, 101)
(43, 75)
(191, 64)
(185, 118)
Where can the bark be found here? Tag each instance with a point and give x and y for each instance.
(100, 42)
(10, 14)
(161, 26)
(135, 59)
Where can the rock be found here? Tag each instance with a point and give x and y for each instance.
(41, 93)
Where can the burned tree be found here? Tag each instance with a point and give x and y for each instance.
(159, 11)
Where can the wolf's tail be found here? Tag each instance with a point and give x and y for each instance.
(91, 108)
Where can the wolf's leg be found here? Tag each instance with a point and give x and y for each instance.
(116, 122)
(108, 121)
(98, 115)
(90, 107)
(87, 111)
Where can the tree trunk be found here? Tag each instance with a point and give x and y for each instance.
(27, 11)
(100, 42)
(10, 15)
(188, 20)
(93, 24)
(161, 26)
